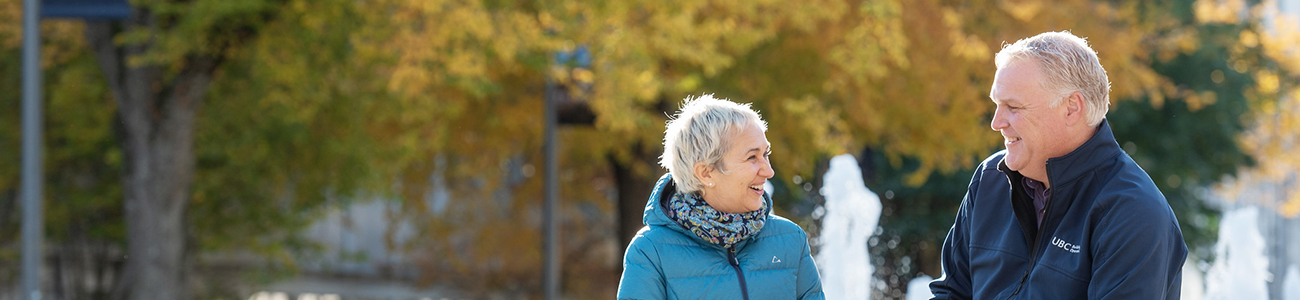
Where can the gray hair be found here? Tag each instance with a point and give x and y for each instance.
(701, 132)
(1068, 65)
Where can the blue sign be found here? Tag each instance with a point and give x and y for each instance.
(85, 9)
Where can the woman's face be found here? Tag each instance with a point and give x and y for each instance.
(740, 188)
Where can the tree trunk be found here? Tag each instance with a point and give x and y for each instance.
(636, 178)
(157, 137)
(635, 182)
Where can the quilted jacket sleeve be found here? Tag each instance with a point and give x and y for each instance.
(809, 283)
(642, 275)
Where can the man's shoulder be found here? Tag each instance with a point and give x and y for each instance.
(987, 172)
(1129, 181)
(1128, 190)
(991, 163)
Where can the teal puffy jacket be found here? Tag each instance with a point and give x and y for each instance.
(666, 261)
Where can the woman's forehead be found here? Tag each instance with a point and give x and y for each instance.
(749, 138)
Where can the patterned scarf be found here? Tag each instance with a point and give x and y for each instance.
(719, 228)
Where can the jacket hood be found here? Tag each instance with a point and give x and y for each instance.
(656, 215)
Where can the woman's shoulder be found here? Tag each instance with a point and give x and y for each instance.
(778, 225)
(658, 234)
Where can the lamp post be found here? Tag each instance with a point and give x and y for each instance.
(33, 225)
(570, 73)
(30, 188)
(550, 247)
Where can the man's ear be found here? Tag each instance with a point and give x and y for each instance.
(1073, 108)
(704, 172)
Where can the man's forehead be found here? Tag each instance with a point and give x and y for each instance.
(1012, 81)
(999, 94)
(1003, 99)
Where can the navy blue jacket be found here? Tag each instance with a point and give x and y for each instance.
(1108, 233)
(666, 261)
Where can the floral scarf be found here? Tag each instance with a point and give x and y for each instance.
(722, 229)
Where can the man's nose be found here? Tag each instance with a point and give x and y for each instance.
(999, 122)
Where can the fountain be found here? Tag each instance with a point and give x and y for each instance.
(1193, 281)
(849, 218)
(1240, 269)
(919, 288)
(1291, 286)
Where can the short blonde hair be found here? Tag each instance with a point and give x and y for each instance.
(1068, 65)
(702, 132)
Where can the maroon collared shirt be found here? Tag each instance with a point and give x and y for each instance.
(1041, 194)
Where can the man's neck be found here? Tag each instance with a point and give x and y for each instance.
(1038, 175)
(1077, 140)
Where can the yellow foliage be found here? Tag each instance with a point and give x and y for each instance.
(1219, 11)
(1249, 39)
(1291, 208)
(61, 39)
(907, 78)
(1273, 141)
(1266, 81)
(11, 24)
(1280, 44)
(1197, 100)
(1023, 10)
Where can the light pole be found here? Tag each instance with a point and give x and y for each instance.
(32, 182)
(570, 73)
(33, 227)
(550, 247)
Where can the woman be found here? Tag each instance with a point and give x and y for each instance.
(710, 232)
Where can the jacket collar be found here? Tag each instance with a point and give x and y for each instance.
(1062, 172)
(656, 215)
(1101, 148)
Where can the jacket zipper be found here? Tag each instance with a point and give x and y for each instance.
(735, 264)
(1033, 254)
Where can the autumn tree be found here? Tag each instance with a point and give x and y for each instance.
(458, 86)
(1211, 79)
(82, 161)
(253, 116)
(1267, 54)
(124, 105)
(907, 79)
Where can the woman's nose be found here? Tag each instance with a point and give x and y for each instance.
(766, 170)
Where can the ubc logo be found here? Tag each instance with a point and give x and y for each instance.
(1063, 245)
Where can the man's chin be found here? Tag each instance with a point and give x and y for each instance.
(1013, 164)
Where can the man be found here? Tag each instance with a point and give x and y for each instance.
(1063, 212)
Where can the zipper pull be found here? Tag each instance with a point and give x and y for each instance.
(731, 257)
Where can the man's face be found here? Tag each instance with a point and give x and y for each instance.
(1032, 131)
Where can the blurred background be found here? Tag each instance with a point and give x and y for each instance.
(393, 149)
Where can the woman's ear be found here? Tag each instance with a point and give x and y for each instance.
(704, 172)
